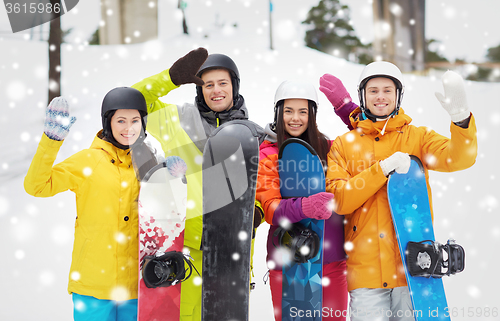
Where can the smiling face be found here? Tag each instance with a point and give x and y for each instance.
(295, 116)
(380, 96)
(126, 126)
(218, 89)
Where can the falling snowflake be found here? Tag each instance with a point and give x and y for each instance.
(242, 236)
(120, 293)
(47, 278)
(16, 91)
(305, 250)
(473, 291)
(75, 276)
(489, 203)
(19, 254)
(348, 246)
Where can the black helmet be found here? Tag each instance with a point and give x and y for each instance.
(215, 61)
(121, 98)
(219, 61)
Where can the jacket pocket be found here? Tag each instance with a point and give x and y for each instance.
(80, 257)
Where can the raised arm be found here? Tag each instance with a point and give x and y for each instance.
(183, 71)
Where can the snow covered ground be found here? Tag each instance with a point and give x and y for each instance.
(36, 235)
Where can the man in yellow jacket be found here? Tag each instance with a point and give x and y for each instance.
(183, 130)
(359, 163)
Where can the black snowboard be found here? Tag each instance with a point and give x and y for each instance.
(230, 164)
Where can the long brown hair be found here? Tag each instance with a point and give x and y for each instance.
(312, 135)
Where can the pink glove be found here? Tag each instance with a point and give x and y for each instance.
(335, 91)
(318, 206)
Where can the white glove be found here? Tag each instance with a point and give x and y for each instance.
(399, 162)
(454, 100)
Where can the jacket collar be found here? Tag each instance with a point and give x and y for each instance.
(236, 112)
(117, 154)
(368, 127)
(270, 135)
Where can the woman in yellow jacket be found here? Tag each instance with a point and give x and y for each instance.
(358, 165)
(104, 269)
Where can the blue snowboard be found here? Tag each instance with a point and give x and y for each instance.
(411, 215)
(301, 174)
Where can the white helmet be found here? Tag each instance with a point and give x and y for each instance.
(290, 89)
(293, 89)
(380, 69)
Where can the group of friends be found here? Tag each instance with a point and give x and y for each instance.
(357, 164)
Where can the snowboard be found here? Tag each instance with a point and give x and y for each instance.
(230, 164)
(411, 216)
(162, 213)
(301, 174)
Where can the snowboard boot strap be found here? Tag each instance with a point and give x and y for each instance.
(163, 270)
(425, 258)
(456, 257)
(296, 238)
(422, 258)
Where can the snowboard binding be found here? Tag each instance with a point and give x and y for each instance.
(303, 242)
(166, 269)
(426, 258)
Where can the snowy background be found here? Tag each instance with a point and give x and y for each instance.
(36, 235)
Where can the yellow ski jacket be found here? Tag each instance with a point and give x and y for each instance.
(105, 251)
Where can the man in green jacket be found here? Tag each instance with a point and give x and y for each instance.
(183, 131)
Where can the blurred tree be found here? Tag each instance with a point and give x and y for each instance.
(482, 74)
(493, 54)
(94, 39)
(330, 31)
(431, 55)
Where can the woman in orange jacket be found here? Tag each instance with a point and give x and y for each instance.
(295, 116)
(359, 163)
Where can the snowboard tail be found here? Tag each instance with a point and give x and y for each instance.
(411, 215)
(302, 289)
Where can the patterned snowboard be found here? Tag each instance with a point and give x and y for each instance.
(162, 213)
(301, 174)
(411, 215)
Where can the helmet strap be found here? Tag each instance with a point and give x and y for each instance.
(367, 114)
